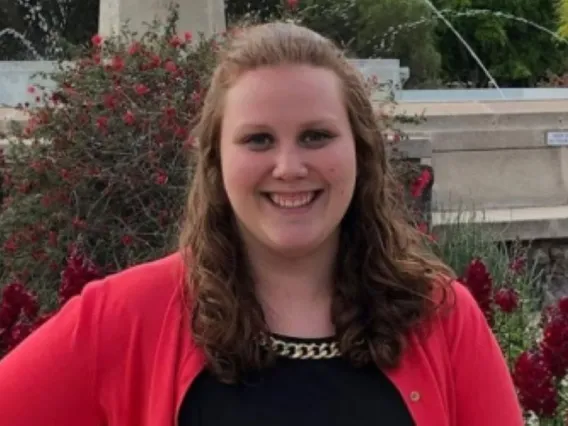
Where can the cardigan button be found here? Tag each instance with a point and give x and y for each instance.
(414, 396)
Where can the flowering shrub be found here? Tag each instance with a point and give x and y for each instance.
(536, 346)
(97, 179)
(534, 338)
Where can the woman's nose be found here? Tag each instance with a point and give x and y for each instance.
(290, 164)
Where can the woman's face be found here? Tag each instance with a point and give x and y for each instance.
(288, 157)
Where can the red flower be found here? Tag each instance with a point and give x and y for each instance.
(129, 118)
(134, 48)
(181, 132)
(188, 36)
(102, 122)
(97, 40)
(17, 334)
(480, 284)
(77, 273)
(161, 178)
(292, 4)
(422, 227)
(30, 306)
(117, 63)
(110, 101)
(141, 89)
(507, 299)
(14, 294)
(9, 314)
(155, 61)
(517, 265)
(554, 344)
(534, 382)
(126, 240)
(420, 183)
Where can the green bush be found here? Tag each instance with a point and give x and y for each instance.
(101, 169)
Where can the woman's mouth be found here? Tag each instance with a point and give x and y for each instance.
(293, 200)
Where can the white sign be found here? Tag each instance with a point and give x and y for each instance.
(557, 138)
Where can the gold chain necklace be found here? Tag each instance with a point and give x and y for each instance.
(300, 350)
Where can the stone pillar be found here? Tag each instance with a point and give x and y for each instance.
(205, 17)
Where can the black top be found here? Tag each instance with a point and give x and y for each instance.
(298, 392)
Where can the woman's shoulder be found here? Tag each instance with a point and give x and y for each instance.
(151, 279)
(140, 292)
(459, 316)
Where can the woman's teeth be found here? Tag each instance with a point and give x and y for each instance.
(291, 201)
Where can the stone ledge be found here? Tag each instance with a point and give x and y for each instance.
(7, 115)
(464, 116)
(529, 223)
(485, 108)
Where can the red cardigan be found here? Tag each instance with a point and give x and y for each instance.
(121, 354)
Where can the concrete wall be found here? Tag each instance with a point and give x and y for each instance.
(17, 76)
(198, 16)
(496, 158)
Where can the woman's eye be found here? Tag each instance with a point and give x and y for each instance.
(259, 141)
(315, 138)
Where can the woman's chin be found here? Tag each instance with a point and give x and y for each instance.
(294, 245)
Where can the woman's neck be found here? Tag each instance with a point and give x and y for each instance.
(295, 292)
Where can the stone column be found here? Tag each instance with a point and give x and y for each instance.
(198, 16)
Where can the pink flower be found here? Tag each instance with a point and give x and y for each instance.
(97, 40)
(141, 89)
(176, 41)
(170, 66)
(421, 183)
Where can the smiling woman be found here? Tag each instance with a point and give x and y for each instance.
(288, 162)
(300, 293)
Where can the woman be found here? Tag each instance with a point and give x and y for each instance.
(300, 295)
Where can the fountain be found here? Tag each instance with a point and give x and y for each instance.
(463, 95)
(466, 45)
(392, 32)
(20, 37)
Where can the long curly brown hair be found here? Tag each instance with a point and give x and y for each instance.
(385, 276)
